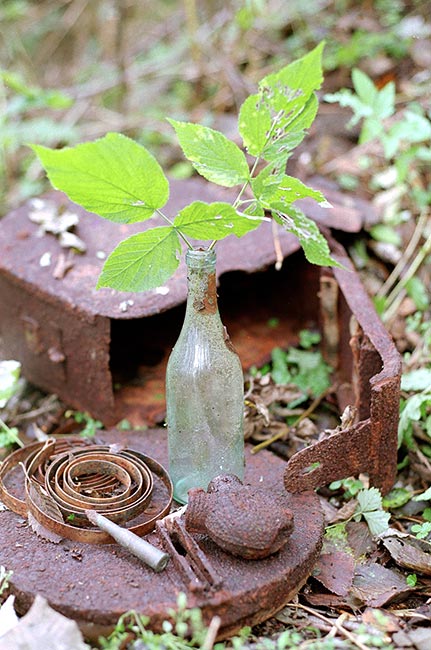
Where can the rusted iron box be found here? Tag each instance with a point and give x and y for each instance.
(105, 352)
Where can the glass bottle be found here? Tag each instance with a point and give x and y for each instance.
(204, 389)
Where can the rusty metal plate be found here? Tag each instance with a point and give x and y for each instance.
(96, 584)
(369, 374)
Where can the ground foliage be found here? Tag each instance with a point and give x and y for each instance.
(72, 71)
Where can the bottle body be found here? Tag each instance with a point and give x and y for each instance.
(204, 389)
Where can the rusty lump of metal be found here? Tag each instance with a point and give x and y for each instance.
(248, 522)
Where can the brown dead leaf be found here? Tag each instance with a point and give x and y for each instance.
(382, 620)
(335, 571)
(376, 585)
(408, 551)
(360, 539)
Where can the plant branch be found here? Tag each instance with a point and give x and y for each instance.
(177, 230)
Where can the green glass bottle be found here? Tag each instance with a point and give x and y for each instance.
(204, 389)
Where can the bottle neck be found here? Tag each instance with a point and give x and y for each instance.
(202, 289)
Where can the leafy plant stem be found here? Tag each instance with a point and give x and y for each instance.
(177, 230)
(395, 296)
(252, 171)
(11, 433)
(314, 404)
(402, 263)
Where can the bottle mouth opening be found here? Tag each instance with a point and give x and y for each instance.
(197, 259)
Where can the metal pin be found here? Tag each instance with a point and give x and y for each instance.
(149, 554)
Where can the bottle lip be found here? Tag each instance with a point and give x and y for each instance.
(201, 258)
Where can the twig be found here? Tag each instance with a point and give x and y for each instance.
(277, 246)
(48, 404)
(212, 632)
(395, 297)
(402, 263)
(337, 624)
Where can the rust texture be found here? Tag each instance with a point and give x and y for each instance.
(248, 522)
(95, 584)
(369, 373)
(64, 479)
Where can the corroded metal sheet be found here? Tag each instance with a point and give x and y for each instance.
(369, 375)
(96, 584)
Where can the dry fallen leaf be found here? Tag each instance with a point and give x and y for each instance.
(408, 551)
(42, 628)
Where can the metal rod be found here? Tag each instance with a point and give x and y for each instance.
(149, 554)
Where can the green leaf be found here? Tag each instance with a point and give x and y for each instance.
(424, 496)
(315, 246)
(370, 507)
(308, 371)
(254, 123)
(201, 220)
(303, 76)
(411, 580)
(143, 261)
(212, 154)
(377, 520)
(369, 499)
(416, 380)
(114, 177)
(285, 189)
(418, 292)
(273, 121)
(396, 498)
(9, 375)
(384, 233)
(411, 411)
(364, 86)
(422, 530)
(280, 372)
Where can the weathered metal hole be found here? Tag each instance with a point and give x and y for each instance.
(311, 468)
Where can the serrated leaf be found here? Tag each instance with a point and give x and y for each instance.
(378, 521)
(314, 245)
(201, 220)
(303, 76)
(285, 189)
(254, 123)
(212, 154)
(113, 177)
(143, 261)
(369, 499)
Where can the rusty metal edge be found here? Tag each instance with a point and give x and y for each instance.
(370, 445)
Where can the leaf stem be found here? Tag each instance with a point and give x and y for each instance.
(237, 201)
(11, 433)
(177, 230)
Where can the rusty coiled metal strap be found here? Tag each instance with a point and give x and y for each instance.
(63, 480)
